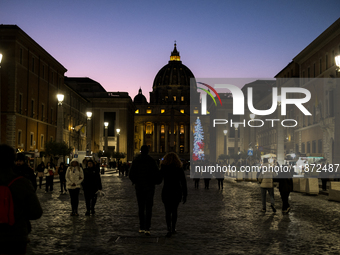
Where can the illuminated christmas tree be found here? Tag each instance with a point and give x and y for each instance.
(198, 151)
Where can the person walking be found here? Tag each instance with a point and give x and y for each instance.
(40, 170)
(49, 173)
(91, 184)
(174, 189)
(266, 180)
(74, 177)
(22, 169)
(144, 174)
(14, 235)
(285, 187)
(220, 179)
(62, 172)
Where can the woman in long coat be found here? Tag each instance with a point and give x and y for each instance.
(174, 189)
(74, 178)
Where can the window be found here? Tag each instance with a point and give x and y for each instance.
(51, 117)
(43, 72)
(314, 70)
(182, 129)
(19, 138)
(326, 62)
(31, 139)
(333, 57)
(296, 148)
(42, 112)
(320, 66)
(41, 141)
(21, 53)
(182, 98)
(137, 111)
(195, 111)
(182, 111)
(166, 98)
(20, 103)
(33, 65)
(162, 110)
(162, 129)
(320, 146)
(148, 111)
(174, 98)
(32, 108)
(314, 146)
(308, 147)
(303, 150)
(148, 129)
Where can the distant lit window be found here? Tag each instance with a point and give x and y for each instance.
(42, 141)
(182, 129)
(195, 111)
(182, 111)
(174, 98)
(31, 139)
(182, 98)
(148, 129)
(166, 98)
(162, 129)
(162, 110)
(148, 111)
(137, 111)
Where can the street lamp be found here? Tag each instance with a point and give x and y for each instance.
(236, 138)
(225, 132)
(60, 118)
(280, 135)
(337, 62)
(106, 124)
(118, 133)
(89, 133)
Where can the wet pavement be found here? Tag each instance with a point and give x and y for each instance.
(229, 221)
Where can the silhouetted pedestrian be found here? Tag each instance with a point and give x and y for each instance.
(285, 187)
(22, 169)
(49, 174)
(62, 172)
(174, 190)
(144, 174)
(40, 170)
(14, 235)
(267, 185)
(91, 184)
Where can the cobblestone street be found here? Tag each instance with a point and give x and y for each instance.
(211, 222)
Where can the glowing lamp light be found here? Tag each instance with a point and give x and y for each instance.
(106, 124)
(0, 57)
(89, 115)
(252, 116)
(118, 130)
(337, 61)
(236, 126)
(60, 98)
(225, 132)
(279, 100)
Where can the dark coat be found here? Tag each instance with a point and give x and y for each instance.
(144, 173)
(175, 184)
(92, 181)
(285, 181)
(62, 173)
(27, 172)
(26, 207)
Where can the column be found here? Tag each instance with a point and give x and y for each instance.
(177, 137)
(154, 138)
(166, 136)
(158, 136)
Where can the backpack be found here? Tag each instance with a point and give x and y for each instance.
(6, 204)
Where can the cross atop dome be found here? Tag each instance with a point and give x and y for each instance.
(175, 54)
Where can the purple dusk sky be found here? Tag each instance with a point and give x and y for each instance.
(123, 44)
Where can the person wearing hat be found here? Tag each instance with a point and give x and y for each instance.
(91, 184)
(74, 178)
(22, 169)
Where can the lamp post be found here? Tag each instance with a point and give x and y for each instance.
(106, 124)
(252, 130)
(236, 138)
(0, 95)
(89, 133)
(118, 133)
(337, 115)
(60, 118)
(280, 136)
(225, 132)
